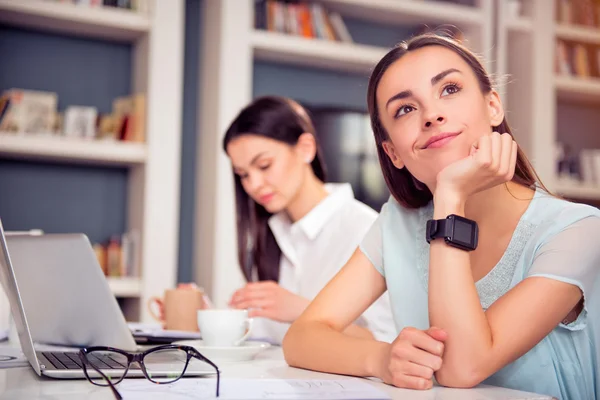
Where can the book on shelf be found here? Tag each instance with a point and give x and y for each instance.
(119, 256)
(300, 18)
(129, 115)
(577, 59)
(578, 12)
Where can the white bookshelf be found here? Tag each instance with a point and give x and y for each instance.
(409, 12)
(534, 91)
(582, 34)
(153, 167)
(519, 25)
(315, 53)
(125, 287)
(586, 90)
(579, 192)
(72, 151)
(98, 22)
(230, 47)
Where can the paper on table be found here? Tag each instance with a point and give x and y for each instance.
(253, 389)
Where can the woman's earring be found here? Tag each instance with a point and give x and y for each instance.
(308, 160)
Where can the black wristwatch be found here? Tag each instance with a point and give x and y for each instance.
(457, 231)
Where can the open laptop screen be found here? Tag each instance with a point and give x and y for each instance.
(9, 283)
(64, 292)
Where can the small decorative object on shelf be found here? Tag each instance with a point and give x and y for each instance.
(567, 165)
(141, 6)
(80, 122)
(27, 112)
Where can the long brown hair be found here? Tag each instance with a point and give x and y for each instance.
(280, 119)
(405, 188)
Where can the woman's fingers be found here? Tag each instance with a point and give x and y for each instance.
(417, 370)
(484, 151)
(506, 155)
(250, 292)
(425, 359)
(513, 160)
(253, 303)
(251, 295)
(422, 340)
(496, 151)
(437, 333)
(412, 382)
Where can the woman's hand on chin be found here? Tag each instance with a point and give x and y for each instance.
(491, 162)
(413, 358)
(269, 300)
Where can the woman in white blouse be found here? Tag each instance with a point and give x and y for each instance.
(294, 231)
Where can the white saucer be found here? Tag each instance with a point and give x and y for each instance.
(244, 352)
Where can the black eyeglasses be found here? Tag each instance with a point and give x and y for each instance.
(162, 364)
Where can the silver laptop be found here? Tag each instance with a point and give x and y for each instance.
(58, 295)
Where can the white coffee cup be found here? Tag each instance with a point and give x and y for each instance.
(224, 327)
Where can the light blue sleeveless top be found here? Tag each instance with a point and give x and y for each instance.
(555, 239)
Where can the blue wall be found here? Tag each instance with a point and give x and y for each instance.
(62, 198)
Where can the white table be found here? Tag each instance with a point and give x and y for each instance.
(24, 384)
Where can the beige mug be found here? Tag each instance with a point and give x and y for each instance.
(178, 309)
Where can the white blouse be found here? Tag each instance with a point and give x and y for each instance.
(315, 248)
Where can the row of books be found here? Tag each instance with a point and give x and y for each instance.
(119, 257)
(578, 12)
(35, 112)
(140, 6)
(577, 59)
(299, 18)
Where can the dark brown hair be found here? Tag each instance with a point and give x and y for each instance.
(405, 188)
(280, 119)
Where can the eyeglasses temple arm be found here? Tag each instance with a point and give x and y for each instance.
(206, 360)
(110, 384)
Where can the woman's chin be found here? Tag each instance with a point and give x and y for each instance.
(273, 207)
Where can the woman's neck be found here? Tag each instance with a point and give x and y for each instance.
(499, 206)
(311, 193)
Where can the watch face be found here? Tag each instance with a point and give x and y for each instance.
(465, 232)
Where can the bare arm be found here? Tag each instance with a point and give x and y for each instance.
(481, 343)
(268, 299)
(322, 338)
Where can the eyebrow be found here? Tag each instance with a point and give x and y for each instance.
(254, 159)
(407, 93)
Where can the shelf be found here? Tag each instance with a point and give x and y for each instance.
(316, 53)
(67, 150)
(578, 33)
(519, 25)
(579, 191)
(398, 12)
(584, 90)
(97, 22)
(125, 287)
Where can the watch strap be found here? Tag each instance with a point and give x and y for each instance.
(438, 228)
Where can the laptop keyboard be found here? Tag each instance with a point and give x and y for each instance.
(70, 360)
